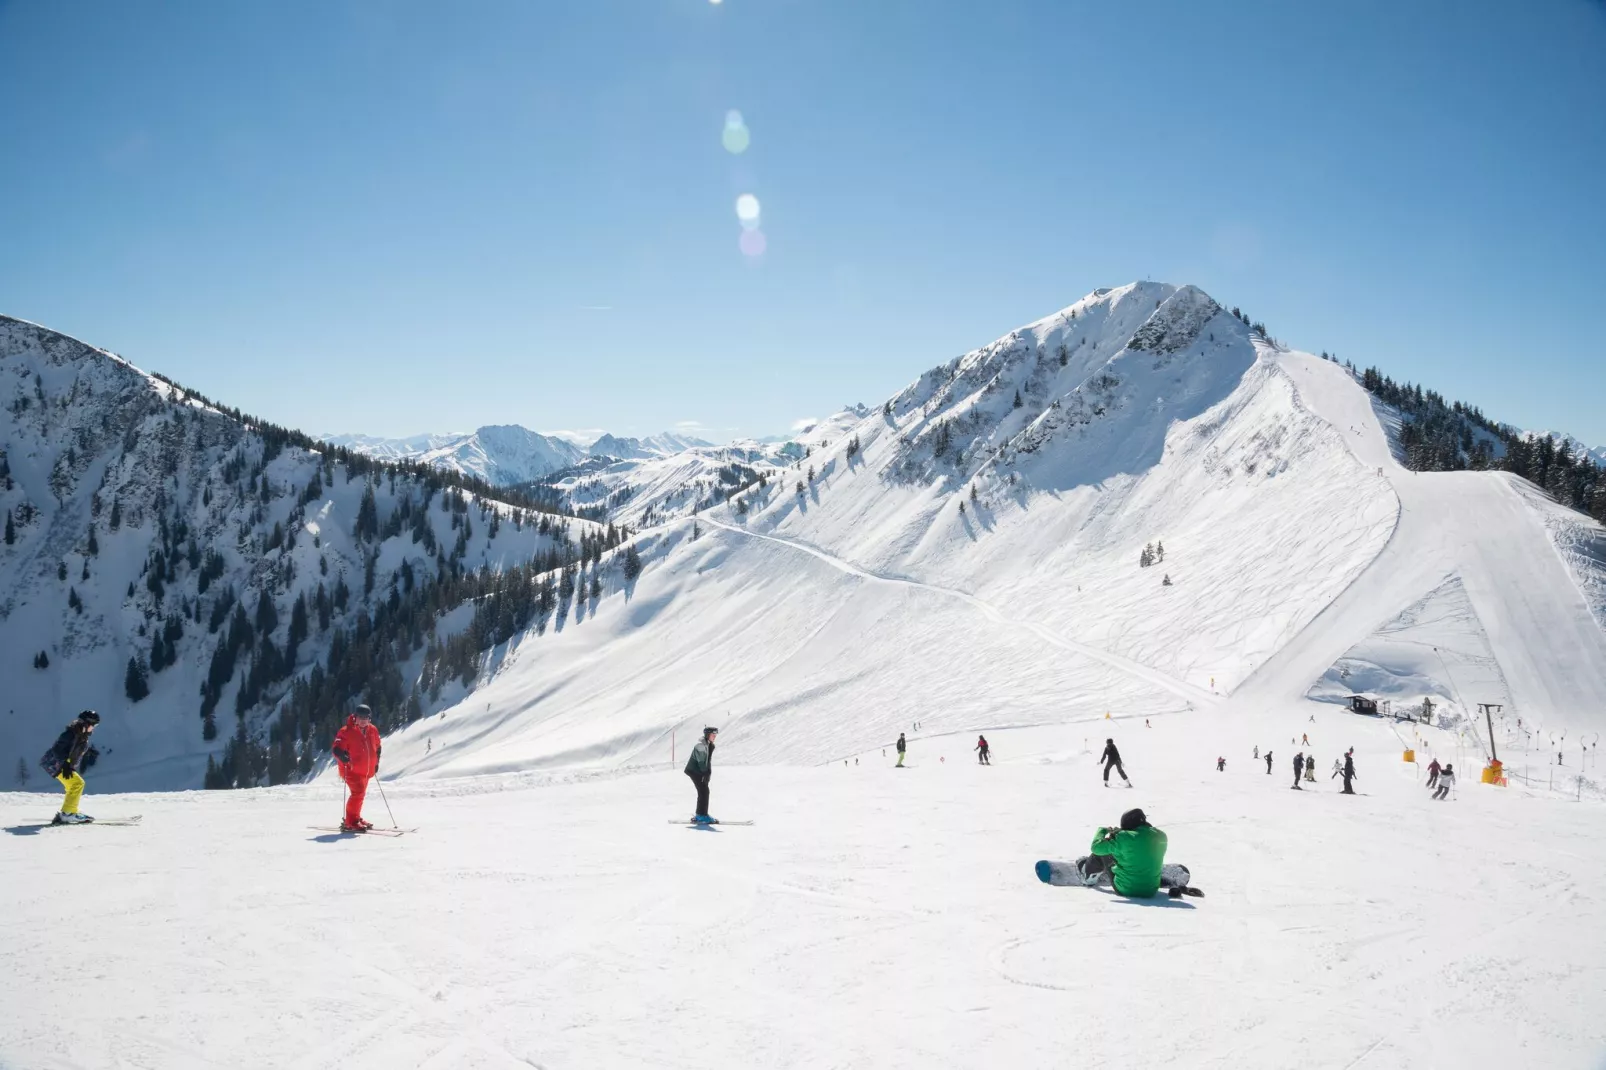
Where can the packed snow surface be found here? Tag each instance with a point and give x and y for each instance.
(871, 917)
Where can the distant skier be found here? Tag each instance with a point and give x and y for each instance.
(66, 759)
(1257, 751)
(1221, 765)
(1268, 763)
(1446, 782)
(1433, 773)
(1347, 772)
(1131, 859)
(356, 748)
(1304, 739)
(700, 767)
(902, 746)
(983, 751)
(1310, 769)
(1299, 768)
(1112, 760)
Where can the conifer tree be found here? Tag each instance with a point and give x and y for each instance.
(136, 683)
(11, 530)
(632, 565)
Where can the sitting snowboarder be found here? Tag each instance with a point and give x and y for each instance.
(1130, 859)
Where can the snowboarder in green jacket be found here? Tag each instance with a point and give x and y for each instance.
(1133, 854)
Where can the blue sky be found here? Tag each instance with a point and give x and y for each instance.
(393, 217)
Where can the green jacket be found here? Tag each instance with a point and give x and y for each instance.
(701, 762)
(1138, 855)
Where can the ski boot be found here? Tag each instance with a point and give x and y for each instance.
(703, 819)
(71, 819)
(346, 826)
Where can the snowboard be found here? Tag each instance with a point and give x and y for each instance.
(711, 824)
(98, 821)
(1066, 875)
(364, 832)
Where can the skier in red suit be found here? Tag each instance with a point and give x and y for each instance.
(356, 748)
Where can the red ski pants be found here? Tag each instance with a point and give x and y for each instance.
(357, 785)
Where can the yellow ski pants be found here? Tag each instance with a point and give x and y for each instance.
(75, 791)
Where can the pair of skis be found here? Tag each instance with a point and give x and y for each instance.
(376, 831)
(96, 821)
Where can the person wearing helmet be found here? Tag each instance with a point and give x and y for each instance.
(356, 748)
(1131, 859)
(700, 767)
(983, 751)
(66, 761)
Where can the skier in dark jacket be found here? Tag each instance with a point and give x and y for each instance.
(1221, 765)
(1299, 768)
(1433, 773)
(983, 751)
(1348, 772)
(700, 767)
(1112, 759)
(65, 761)
(1446, 782)
(1268, 763)
(901, 745)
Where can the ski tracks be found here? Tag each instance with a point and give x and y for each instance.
(997, 616)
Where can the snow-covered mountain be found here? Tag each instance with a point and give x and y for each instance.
(971, 553)
(507, 454)
(499, 454)
(1137, 503)
(1594, 453)
(205, 579)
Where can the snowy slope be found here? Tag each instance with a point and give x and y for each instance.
(872, 917)
(157, 513)
(814, 622)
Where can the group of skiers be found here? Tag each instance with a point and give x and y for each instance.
(356, 749)
(1305, 768)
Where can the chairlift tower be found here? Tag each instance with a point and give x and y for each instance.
(1489, 709)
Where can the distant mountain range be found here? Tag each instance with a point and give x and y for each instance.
(506, 454)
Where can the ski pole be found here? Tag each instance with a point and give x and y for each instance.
(381, 788)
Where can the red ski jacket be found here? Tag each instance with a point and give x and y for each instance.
(356, 748)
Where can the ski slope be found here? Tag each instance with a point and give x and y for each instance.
(1474, 526)
(871, 917)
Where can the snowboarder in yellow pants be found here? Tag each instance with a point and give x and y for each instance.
(901, 746)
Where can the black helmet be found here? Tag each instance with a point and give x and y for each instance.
(89, 717)
(1133, 819)
(363, 711)
(708, 731)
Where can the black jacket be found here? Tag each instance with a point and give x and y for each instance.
(1110, 753)
(71, 748)
(900, 744)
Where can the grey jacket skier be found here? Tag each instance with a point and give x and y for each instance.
(700, 767)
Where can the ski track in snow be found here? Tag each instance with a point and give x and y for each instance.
(997, 616)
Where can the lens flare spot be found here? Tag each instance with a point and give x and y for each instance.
(753, 243)
(747, 210)
(735, 137)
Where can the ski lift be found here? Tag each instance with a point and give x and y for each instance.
(1362, 704)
